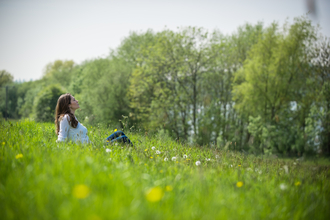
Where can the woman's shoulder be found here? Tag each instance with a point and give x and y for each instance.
(65, 116)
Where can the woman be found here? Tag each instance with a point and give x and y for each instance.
(69, 128)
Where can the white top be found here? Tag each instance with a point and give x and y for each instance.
(67, 132)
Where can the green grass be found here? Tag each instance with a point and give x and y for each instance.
(69, 181)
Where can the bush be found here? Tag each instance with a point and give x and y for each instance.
(45, 103)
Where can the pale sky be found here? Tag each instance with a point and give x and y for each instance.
(37, 32)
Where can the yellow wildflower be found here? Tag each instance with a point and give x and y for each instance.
(145, 149)
(239, 184)
(115, 130)
(19, 156)
(151, 157)
(239, 165)
(168, 188)
(155, 194)
(161, 171)
(80, 191)
(297, 183)
(3, 143)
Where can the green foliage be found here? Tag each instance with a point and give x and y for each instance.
(45, 103)
(41, 179)
(272, 78)
(60, 72)
(5, 78)
(103, 90)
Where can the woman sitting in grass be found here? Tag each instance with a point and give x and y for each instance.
(69, 128)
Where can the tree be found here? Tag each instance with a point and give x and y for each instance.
(5, 77)
(45, 103)
(59, 72)
(321, 68)
(274, 77)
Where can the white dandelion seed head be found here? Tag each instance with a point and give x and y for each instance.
(158, 152)
(286, 168)
(108, 150)
(116, 144)
(153, 148)
(231, 165)
(173, 158)
(217, 156)
(185, 156)
(208, 159)
(165, 159)
(283, 186)
(198, 163)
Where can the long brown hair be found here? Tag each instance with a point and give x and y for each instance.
(62, 108)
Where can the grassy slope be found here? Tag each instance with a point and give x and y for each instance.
(48, 180)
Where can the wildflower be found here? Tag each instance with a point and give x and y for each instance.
(158, 152)
(116, 144)
(283, 186)
(260, 172)
(198, 163)
(173, 158)
(217, 156)
(153, 148)
(208, 159)
(297, 183)
(161, 171)
(154, 194)
(115, 130)
(165, 159)
(231, 165)
(168, 188)
(239, 184)
(19, 156)
(3, 143)
(151, 157)
(239, 165)
(145, 149)
(80, 191)
(249, 169)
(108, 150)
(184, 156)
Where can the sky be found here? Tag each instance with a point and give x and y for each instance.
(34, 33)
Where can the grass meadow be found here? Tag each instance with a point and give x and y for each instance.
(156, 179)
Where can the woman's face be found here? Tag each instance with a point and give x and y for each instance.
(74, 104)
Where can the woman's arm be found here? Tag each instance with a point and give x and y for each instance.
(64, 129)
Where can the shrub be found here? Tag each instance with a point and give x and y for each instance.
(45, 103)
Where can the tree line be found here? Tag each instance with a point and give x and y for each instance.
(263, 89)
